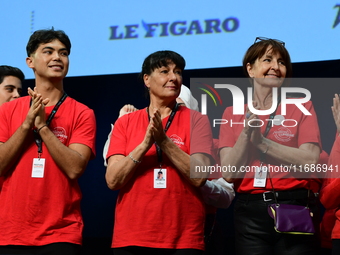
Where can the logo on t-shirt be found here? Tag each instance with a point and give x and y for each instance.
(283, 134)
(60, 133)
(177, 140)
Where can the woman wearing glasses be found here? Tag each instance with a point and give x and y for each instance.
(257, 146)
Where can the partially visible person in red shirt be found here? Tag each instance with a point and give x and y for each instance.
(11, 79)
(330, 192)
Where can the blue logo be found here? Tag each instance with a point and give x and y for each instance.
(176, 28)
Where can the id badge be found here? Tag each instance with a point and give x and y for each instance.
(260, 176)
(38, 168)
(159, 178)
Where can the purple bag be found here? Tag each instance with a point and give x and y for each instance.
(291, 219)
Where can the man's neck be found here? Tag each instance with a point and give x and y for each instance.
(51, 90)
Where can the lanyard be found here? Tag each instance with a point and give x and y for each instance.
(167, 125)
(37, 138)
(269, 125)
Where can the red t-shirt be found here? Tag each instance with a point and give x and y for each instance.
(306, 131)
(330, 192)
(40, 211)
(1, 182)
(171, 217)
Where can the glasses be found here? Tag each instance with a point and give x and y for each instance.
(258, 39)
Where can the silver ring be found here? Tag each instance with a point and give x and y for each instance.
(248, 115)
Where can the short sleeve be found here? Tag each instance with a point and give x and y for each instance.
(201, 140)
(85, 130)
(227, 137)
(118, 141)
(309, 128)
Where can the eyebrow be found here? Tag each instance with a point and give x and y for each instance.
(51, 48)
(47, 47)
(271, 56)
(12, 86)
(268, 56)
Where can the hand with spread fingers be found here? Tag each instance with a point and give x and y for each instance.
(336, 111)
(128, 108)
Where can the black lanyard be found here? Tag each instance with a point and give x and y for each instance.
(167, 125)
(269, 125)
(37, 138)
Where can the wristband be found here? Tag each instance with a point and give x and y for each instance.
(38, 130)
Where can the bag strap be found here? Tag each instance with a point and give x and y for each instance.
(275, 197)
(273, 190)
(274, 193)
(268, 127)
(263, 154)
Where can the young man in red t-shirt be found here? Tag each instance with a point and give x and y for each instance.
(46, 141)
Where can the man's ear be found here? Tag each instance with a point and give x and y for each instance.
(29, 62)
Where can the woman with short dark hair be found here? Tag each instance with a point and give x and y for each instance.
(159, 216)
